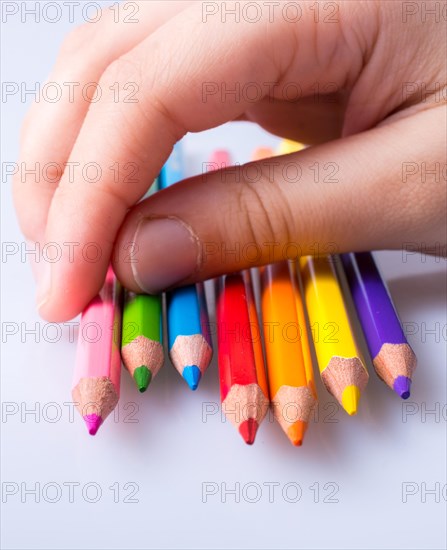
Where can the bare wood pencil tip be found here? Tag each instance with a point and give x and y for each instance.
(292, 407)
(191, 350)
(245, 406)
(341, 374)
(142, 352)
(395, 365)
(95, 397)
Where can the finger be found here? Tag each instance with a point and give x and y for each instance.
(53, 123)
(311, 120)
(359, 193)
(171, 70)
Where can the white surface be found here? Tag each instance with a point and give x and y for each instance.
(169, 451)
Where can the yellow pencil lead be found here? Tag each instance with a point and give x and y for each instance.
(350, 399)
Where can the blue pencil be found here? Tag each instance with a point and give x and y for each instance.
(152, 189)
(172, 171)
(189, 338)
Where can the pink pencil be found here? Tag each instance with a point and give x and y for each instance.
(220, 159)
(96, 383)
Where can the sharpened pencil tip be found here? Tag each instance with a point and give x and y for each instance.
(402, 386)
(248, 430)
(192, 375)
(350, 399)
(92, 421)
(142, 376)
(296, 432)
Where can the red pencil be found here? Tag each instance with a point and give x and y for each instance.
(243, 383)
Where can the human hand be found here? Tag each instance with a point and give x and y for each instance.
(374, 126)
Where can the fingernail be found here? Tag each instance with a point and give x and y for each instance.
(43, 283)
(166, 253)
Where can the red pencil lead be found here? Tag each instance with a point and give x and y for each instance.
(248, 430)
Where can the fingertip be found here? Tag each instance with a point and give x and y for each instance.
(66, 290)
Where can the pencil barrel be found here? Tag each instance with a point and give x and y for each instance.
(96, 383)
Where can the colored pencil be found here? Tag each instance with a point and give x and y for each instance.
(220, 159)
(288, 146)
(290, 379)
(262, 153)
(190, 347)
(141, 343)
(96, 384)
(339, 361)
(152, 189)
(289, 362)
(243, 384)
(189, 341)
(302, 323)
(172, 170)
(393, 359)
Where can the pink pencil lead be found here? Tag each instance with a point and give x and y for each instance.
(93, 422)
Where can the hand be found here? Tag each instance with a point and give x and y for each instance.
(376, 125)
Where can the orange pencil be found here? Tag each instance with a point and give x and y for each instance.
(289, 363)
(262, 153)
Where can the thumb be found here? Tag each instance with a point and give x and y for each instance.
(359, 193)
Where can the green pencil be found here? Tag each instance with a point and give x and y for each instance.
(141, 347)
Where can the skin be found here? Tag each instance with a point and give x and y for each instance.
(371, 124)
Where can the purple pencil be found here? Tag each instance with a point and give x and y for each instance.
(392, 356)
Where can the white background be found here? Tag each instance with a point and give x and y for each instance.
(165, 445)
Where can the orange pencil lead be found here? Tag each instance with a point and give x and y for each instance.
(296, 433)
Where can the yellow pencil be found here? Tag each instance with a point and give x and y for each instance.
(341, 367)
(288, 146)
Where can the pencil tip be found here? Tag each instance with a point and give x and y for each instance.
(192, 376)
(92, 421)
(142, 376)
(350, 399)
(296, 432)
(402, 386)
(248, 430)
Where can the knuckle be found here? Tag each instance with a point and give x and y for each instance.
(76, 40)
(265, 210)
(123, 70)
(257, 214)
